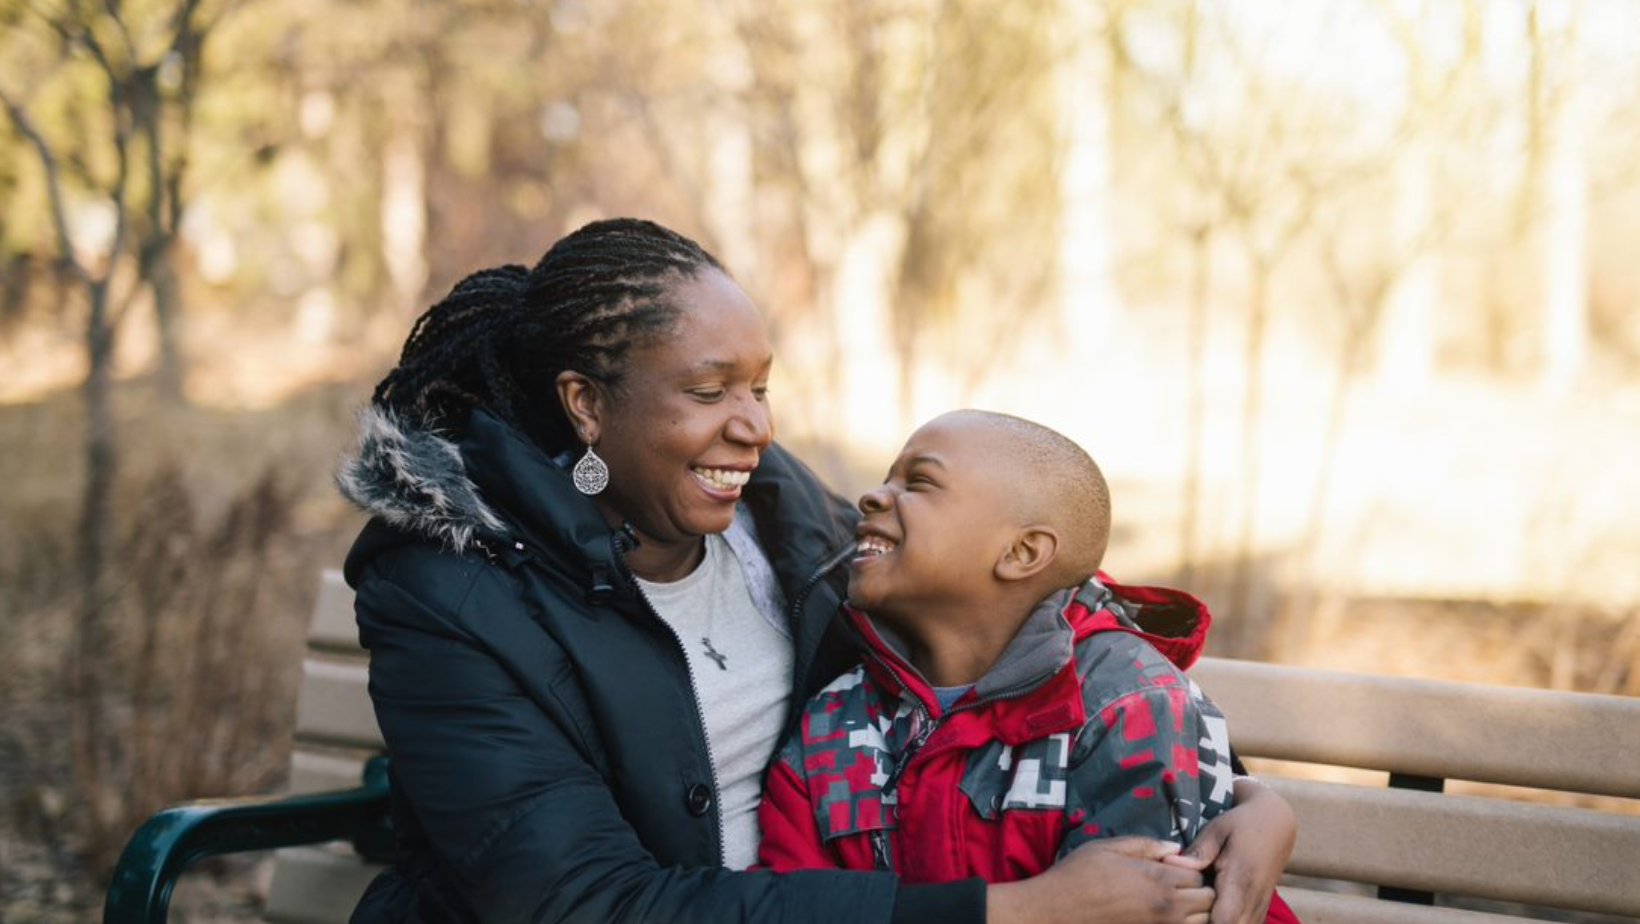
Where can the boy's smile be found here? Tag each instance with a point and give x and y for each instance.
(870, 545)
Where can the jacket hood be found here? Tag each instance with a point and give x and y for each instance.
(414, 480)
(1173, 622)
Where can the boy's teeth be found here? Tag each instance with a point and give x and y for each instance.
(723, 479)
(872, 545)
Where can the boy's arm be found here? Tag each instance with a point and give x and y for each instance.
(1154, 762)
(790, 835)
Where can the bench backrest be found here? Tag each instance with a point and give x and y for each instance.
(1572, 842)
(335, 733)
(1578, 851)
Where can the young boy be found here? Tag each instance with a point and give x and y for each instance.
(1009, 708)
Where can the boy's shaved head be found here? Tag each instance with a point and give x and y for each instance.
(1054, 482)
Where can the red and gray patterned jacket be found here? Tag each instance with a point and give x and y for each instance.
(1086, 727)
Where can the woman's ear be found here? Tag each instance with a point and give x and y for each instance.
(583, 403)
(1032, 551)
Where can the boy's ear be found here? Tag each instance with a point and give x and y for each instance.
(1032, 551)
(583, 403)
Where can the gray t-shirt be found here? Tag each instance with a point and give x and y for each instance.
(741, 664)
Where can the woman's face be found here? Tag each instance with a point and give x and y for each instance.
(685, 431)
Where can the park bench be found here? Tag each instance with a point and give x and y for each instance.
(1540, 821)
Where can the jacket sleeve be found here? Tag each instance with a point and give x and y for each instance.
(1154, 762)
(790, 834)
(522, 826)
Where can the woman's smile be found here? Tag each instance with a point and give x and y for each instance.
(722, 482)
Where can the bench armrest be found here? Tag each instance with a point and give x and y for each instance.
(177, 837)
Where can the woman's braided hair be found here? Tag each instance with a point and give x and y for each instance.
(502, 336)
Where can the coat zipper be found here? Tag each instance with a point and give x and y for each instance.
(879, 842)
(931, 724)
(794, 612)
(694, 696)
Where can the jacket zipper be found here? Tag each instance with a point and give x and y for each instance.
(694, 696)
(921, 738)
(931, 724)
(880, 851)
(794, 612)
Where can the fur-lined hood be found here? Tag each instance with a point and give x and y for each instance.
(415, 480)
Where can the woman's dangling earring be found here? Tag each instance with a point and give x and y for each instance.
(591, 475)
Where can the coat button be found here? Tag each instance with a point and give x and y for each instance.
(700, 799)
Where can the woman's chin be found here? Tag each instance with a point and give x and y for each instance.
(711, 522)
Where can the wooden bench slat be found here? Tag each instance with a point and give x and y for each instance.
(326, 770)
(333, 627)
(312, 885)
(1480, 847)
(1576, 742)
(333, 705)
(1314, 907)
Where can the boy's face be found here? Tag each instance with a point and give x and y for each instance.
(933, 531)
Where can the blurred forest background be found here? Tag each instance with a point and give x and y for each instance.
(1341, 295)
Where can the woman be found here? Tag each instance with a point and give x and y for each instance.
(593, 587)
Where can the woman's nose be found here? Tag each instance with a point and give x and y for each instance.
(753, 426)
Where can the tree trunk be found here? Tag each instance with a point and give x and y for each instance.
(1196, 412)
(1407, 336)
(1563, 233)
(1242, 591)
(89, 653)
(171, 369)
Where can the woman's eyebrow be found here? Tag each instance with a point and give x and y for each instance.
(721, 365)
(711, 365)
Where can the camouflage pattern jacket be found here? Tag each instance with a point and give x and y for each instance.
(1085, 728)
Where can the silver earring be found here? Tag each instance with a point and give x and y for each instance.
(591, 475)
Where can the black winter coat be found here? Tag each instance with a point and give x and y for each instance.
(548, 758)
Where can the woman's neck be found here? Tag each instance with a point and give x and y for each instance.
(663, 563)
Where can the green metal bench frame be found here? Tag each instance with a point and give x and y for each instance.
(176, 838)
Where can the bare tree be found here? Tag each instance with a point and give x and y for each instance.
(87, 655)
(134, 110)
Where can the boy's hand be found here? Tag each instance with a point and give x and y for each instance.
(1116, 881)
(1247, 847)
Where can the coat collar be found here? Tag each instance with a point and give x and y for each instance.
(1033, 690)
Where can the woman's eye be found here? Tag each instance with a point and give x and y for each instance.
(708, 394)
(760, 392)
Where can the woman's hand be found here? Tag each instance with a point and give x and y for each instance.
(1247, 847)
(1116, 881)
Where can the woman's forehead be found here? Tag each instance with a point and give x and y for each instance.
(717, 330)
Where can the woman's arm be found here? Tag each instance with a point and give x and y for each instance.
(1247, 847)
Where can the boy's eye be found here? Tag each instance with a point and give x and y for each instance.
(760, 392)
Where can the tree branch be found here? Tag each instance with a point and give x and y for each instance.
(54, 185)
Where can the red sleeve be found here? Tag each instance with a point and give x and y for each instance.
(790, 834)
(1280, 912)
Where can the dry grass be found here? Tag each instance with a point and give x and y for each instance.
(222, 522)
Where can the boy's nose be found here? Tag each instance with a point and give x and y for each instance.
(876, 500)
